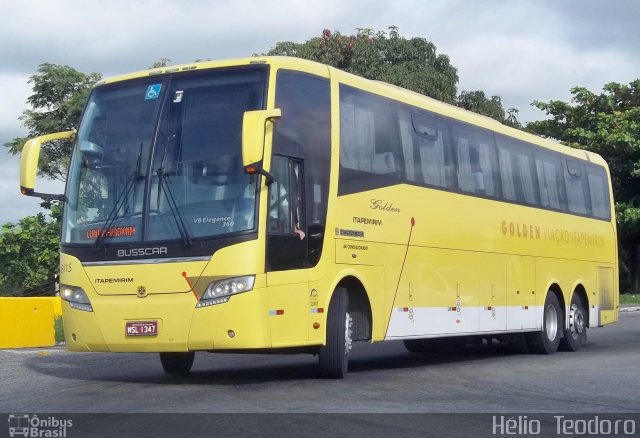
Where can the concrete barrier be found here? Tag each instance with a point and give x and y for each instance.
(28, 322)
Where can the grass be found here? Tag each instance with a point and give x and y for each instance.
(59, 330)
(630, 298)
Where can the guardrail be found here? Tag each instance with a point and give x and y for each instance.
(28, 321)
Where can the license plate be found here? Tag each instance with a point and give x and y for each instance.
(141, 328)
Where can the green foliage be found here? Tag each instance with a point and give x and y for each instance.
(29, 254)
(608, 124)
(162, 62)
(59, 96)
(478, 102)
(412, 63)
(409, 63)
(629, 298)
(58, 328)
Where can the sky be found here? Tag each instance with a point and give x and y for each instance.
(520, 50)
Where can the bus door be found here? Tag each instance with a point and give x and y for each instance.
(298, 200)
(286, 256)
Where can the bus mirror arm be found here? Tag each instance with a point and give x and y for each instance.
(253, 169)
(44, 196)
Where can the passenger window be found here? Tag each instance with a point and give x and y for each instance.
(516, 172)
(549, 171)
(427, 159)
(368, 134)
(477, 166)
(575, 185)
(599, 192)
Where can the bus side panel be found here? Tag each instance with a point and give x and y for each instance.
(288, 301)
(447, 292)
(521, 294)
(608, 298)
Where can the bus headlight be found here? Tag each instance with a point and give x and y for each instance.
(220, 291)
(76, 297)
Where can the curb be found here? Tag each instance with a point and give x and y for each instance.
(630, 309)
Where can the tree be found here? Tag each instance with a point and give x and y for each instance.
(59, 95)
(29, 254)
(608, 124)
(162, 62)
(29, 249)
(477, 102)
(409, 63)
(413, 64)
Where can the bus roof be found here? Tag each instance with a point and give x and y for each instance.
(385, 89)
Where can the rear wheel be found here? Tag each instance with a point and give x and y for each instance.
(546, 341)
(333, 357)
(576, 332)
(177, 363)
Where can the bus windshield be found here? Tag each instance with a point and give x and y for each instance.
(159, 159)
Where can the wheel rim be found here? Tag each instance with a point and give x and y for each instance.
(348, 342)
(576, 321)
(551, 322)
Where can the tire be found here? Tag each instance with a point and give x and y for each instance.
(333, 358)
(546, 341)
(177, 363)
(575, 335)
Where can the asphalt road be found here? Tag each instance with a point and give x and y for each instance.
(604, 377)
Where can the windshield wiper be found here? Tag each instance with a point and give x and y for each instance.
(173, 206)
(122, 198)
(171, 200)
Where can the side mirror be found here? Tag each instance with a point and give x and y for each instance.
(253, 130)
(29, 163)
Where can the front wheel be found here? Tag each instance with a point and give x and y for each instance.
(575, 334)
(546, 341)
(333, 356)
(177, 363)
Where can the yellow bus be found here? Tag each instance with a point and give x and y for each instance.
(275, 204)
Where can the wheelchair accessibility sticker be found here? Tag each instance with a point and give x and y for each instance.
(153, 92)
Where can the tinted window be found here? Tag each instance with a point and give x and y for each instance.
(476, 158)
(366, 133)
(369, 143)
(304, 132)
(576, 187)
(550, 184)
(516, 171)
(598, 192)
(383, 140)
(425, 148)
